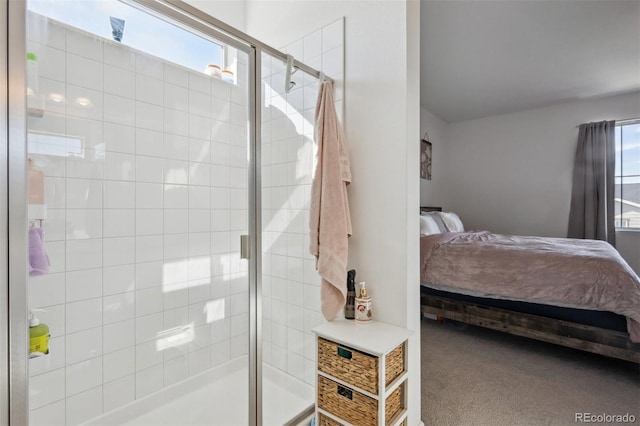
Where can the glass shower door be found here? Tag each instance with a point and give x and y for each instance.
(290, 283)
(138, 188)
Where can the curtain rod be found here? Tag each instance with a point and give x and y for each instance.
(239, 35)
(624, 121)
(628, 121)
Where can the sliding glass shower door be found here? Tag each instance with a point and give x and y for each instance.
(139, 170)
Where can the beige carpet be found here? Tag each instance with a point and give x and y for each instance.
(475, 376)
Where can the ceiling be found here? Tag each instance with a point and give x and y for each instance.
(482, 58)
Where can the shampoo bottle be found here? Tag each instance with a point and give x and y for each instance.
(32, 74)
(363, 305)
(38, 337)
(349, 307)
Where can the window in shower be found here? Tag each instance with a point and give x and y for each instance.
(141, 30)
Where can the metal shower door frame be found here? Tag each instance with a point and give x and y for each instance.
(4, 223)
(14, 201)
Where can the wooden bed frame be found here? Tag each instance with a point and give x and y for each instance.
(615, 344)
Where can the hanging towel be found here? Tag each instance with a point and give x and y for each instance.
(329, 218)
(38, 259)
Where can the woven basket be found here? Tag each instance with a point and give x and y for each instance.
(327, 421)
(394, 364)
(394, 404)
(349, 365)
(346, 403)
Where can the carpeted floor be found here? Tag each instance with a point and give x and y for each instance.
(475, 376)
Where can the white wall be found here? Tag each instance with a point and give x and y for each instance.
(232, 12)
(512, 173)
(382, 128)
(432, 191)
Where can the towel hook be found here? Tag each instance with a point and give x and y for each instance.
(288, 84)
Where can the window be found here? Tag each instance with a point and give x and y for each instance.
(142, 31)
(627, 197)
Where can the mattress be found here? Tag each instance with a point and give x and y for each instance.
(601, 319)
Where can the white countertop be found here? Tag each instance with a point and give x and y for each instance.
(375, 338)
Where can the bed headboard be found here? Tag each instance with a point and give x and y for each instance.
(430, 209)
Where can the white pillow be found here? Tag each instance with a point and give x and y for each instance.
(428, 226)
(452, 221)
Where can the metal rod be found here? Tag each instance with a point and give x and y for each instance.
(5, 320)
(17, 180)
(255, 383)
(302, 416)
(242, 36)
(628, 121)
(256, 226)
(164, 11)
(621, 122)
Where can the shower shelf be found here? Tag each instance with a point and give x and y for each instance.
(40, 364)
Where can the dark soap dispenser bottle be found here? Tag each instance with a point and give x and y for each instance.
(349, 307)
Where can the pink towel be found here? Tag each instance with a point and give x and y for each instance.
(330, 221)
(38, 259)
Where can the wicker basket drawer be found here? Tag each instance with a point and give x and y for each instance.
(394, 364)
(327, 421)
(346, 403)
(394, 404)
(351, 366)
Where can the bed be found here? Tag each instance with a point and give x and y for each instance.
(576, 293)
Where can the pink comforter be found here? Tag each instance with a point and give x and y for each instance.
(574, 273)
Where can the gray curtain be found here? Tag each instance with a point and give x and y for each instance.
(592, 197)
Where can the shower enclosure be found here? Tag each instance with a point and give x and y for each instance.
(173, 205)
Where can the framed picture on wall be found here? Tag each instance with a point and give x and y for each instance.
(425, 159)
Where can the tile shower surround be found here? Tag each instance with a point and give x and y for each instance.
(146, 192)
(141, 225)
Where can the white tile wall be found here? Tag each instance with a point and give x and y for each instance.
(119, 392)
(84, 406)
(291, 285)
(142, 231)
(49, 415)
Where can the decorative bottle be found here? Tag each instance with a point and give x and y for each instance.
(213, 70)
(363, 305)
(227, 75)
(349, 307)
